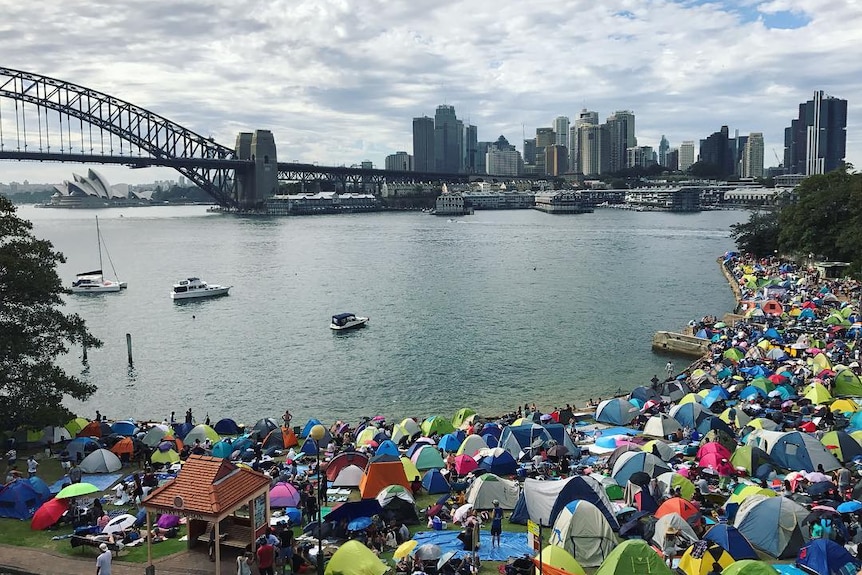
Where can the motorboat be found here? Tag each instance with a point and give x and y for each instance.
(343, 321)
(94, 281)
(195, 287)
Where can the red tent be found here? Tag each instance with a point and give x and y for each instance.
(92, 429)
(679, 506)
(342, 460)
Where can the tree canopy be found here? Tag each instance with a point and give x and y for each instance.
(34, 331)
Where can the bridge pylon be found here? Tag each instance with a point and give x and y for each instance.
(260, 180)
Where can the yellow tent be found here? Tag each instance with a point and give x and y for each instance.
(857, 435)
(844, 405)
(820, 362)
(558, 561)
(410, 470)
(366, 436)
(74, 426)
(354, 558)
(690, 398)
(740, 419)
(167, 457)
(763, 423)
(817, 393)
(748, 491)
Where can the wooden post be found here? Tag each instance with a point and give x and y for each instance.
(149, 540)
(217, 546)
(129, 347)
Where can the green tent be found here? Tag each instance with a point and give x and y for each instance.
(436, 424)
(354, 558)
(749, 567)
(633, 557)
(847, 383)
(428, 458)
(461, 415)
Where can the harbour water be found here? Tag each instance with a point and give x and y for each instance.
(488, 311)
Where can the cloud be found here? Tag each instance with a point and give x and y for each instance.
(339, 81)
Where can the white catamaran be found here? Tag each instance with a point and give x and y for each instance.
(94, 281)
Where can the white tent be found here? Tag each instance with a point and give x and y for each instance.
(101, 461)
(661, 425)
(349, 476)
(675, 521)
(582, 530)
(488, 487)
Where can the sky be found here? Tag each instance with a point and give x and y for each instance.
(339, 81)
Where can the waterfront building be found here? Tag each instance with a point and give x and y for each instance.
(401, 161)
(748, 196)
(448, 141)
(621, 137)
(451, 204)
(556, 160)
(94, 191)
(686, 155)
(562, 202)
(788, 180)
(471, 146)
(679, 199)
(752, 156)
(407, 189)
(815, 142)
(663, 148)
(320, 203)
(499, 199)
(423, 144)
(593, 149)
(561, 131)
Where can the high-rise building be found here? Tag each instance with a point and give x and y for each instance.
(544, 137)
(556, 160)
(640, 157)
(815, 142)
(530, 151)
(663, 148)
(686, 155)
(752, 156)
(502, 159)
(471, 145)
(673, 159)
(423, 144)
(593, 146)
(401, 161)
(448, 141)
(561, 129)
(481, 157)
(585, 118)
(621, 137)
(716, 150)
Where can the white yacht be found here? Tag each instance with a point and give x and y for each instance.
(94, 281)
(195, 287)
(343, 321)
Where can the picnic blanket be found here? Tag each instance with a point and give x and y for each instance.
(511, 544)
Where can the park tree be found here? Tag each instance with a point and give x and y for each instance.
(34, 331)
(826, 219)
(757, 236)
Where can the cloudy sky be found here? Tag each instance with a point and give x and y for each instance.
(339, 81)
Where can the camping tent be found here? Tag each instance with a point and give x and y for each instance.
(428, 458)
(582, 530)
(732, 540)
(79, 447)
(344, 459)
(798, 451)
(398, 504)
(461, 415)
(825, 557)
(702, 556)
(670, 522)
(488, 487)
(226, 426)
(19, 500)
(434, 482)
(201, 433)
(633, 557)
(101, 461)
(557, 561)
(750, 567)
(616, 411)
(634, 461)
(471, 444)
(499, 462)
(281, 438)
(354, 558)
(662, 425)
(688, 414)
(546, 499)
(773, 524)
(842, 445)
(382, 474)
(350, 476)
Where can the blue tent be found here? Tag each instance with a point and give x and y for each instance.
(616, 411)
(644, 394)
(756, 371)
(799, 451)
(732, 541)
(689, 414)
(450, 442)
(41, 488)
(417, 445)
(182, 429)
(309, 446)
(242, 443)
(714, 394)
(503, 464)
(751, 391)
(434, 482)
(80, 447)
(127, 428)
(306, 430)
(546, 499)
(520, 515)
(557, 431)
(491, 440)
(712, 422)
(492, 429)
(388, 447)
(772, 334)
(223, 448)
(353, 509)
(226, 426)
(825, 557)
(19, 500)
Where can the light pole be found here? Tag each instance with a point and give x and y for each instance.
(317, 432)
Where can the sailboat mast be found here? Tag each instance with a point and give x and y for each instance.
(99, 240)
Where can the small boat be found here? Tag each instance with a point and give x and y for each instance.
(195, 287)
(343, 321)
(94, 281)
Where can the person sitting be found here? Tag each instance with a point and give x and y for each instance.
(102, 521)
(156, 535)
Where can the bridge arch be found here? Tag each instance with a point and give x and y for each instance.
(154, 138)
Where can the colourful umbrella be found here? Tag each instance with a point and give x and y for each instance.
(48, 514)
(405, 548)
(77, 490)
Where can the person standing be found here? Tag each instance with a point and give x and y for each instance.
(11, 457)
(669, 368)
(243, 564)
(75, 473)
(496, 524)
(266, 558)
(32, 466)
(103, 561)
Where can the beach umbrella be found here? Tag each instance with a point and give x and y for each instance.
(77, 490)
(462, 511)
(119, 523)
(359, 524)
(445, 558)
(428, 552)
(851, 506)
(49, 513)
(405, 548)
(283, 495)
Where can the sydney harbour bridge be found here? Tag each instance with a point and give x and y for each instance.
(44, 119)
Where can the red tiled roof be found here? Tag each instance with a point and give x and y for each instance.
(208, 486)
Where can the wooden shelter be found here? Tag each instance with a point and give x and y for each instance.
(207, 491)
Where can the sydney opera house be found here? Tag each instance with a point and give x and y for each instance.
(93, 191)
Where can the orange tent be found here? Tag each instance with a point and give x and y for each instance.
(92, 429)
(382, 474)
(342, 460)
(772, 307)
(677, 505)
(124, 445)
(178, 443)
(281, 438)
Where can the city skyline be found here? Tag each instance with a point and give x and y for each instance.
(324, 76)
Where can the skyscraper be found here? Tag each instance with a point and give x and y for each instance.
(585, 118)
(471, 144)
(530, 151)
(717, 151)
(663, 147)
(752, 156)
(448, 141)
(561, 129)
(621, 137)
(593, 146)
(423, 144)
(686, 155)
(399, 161)
(815, 142)
(502, 159)
(545, 137)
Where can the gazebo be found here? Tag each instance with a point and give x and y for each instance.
(208, 490)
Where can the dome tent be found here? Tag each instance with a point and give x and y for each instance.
(583, 531)
(758, 517)
(633, 557)
(101, 461)
(488, 487)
